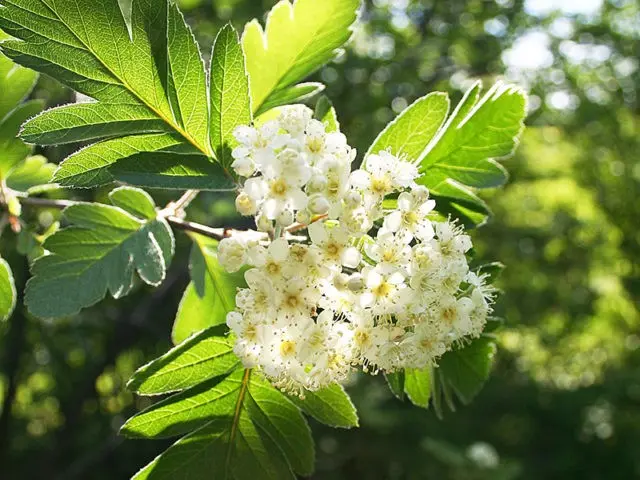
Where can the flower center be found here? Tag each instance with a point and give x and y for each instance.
(250, 333)
(333, 249)
(292, 301)
(315, 144)
(380, 185)
(389, 255)
(449, 314)
(362, 338)
(383, 290)
(287, 348)
(279, 187)
(409, 218)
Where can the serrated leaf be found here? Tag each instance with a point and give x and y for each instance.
(230, 99)
(466, 369)
(209, 453)
(283, 422)
(147, 76)
(33, 172)
(412, 130)
(326, 113)
(211, 293)
(8, 292)
(465, 149)
(200, 357)
(395, 381)
(135, 201)
(331, 406)
(81, 122)
(417, 386)
(297, 40)
(172, 171)
(13, 149)
(98, 253)
(296, 94)
(15, 83)
(249, 430)
(89, 167)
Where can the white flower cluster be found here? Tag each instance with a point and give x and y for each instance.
(374, 286)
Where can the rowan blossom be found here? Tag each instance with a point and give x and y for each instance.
(368, 286)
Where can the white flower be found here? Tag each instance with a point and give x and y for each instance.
(451, 239)
(411, 215)
(294, 119)
(256, 145)
(383, 174)
(232, 254)
(385, 292)
(392, 253)
(334, 245)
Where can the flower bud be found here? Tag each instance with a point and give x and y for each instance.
(263, 223)
(420, 193)
(245, 204)
(303, 217)
(285, 218)
(318, 204)
(244, 166)
(355, 283)
(317, 183)
(352, 199)
(231, 254)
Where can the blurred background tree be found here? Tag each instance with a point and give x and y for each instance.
(564, 398)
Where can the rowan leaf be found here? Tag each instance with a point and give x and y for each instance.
(15, 83)
(246, 429)
(147, 79)
(98, 253)
(296, 41)
(8, 294)
(211, 293)
(202, 356)
(463, 153)
(31, 175)
(295, 94)
(331, 406)
(411, 131)
(230, 99)
(417, 385)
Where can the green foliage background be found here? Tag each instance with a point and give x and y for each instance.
(564, 398)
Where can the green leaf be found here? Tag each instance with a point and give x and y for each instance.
(247, 430)
(230, 99)
(146, 77)
(327, 114)
(13, 149)
(283, 422)
(188, 410)
(15, 83)
(99, 252)
(296, 94)
(417, 385)
(297, 40)
(395, 381)
(465, 147)
(34, 172)
(172, 171)
(331, 406)
(200, 357)
(8, 292)
(412, 130)
(89, 167)
(251, 454)
(466, 369)
(455, 199)
(211, 293)
(90, 121)
(135, 201)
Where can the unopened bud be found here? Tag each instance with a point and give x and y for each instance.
(420, 192)
(352, 199)
(285, 218)
(244, 166)
(355, 283)
(246, 205)
(317, 183)
(318, 204)
(303, 217)
(264, 224)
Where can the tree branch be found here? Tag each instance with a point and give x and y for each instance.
(175, 221)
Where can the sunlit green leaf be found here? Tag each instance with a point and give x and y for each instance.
(331, 406)
(296, 94)
(202, 356)
(98, 253)
(417, 385)
(230, 100)
(8, 293)
(297, 40)
(33, 172)
(211, 293)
